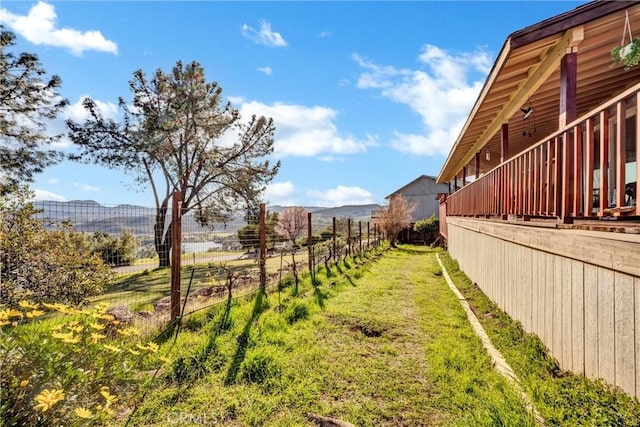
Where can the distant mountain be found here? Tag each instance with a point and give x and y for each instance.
(90, 216)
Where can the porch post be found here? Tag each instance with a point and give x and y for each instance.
(568, 84)
(477, 165)
(567, 114)
(464, 176)
(504, 142)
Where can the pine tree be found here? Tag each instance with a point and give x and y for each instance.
(170, 138)
(28, 101)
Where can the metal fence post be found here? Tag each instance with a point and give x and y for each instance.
(176, 251)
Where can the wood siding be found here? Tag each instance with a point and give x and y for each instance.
(578, 291)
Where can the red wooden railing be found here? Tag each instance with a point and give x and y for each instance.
(561, 176)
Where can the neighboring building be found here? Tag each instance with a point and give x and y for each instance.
(423, 192)
(550, 230)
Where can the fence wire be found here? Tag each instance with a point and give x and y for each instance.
(215, 259)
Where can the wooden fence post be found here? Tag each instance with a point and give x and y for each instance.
(360, 235)
(263, 248)
(348, 236)
(334, 239)
(310, 243)
(176, 250)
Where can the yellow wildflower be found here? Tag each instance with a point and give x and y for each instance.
(132, 351)
(74, 328)
(97, 326)
(8, 313)
(165, 359)
(71, 339)
(24, 383)
(152, 347)
(62, 336)
(4, 322)
(106, 317)
(57, 307)
(58, 327)
(110, 398)
(112, 348)
(128, 331)
(94, 338)
(34, 313)
(28, 305)
(105, 409)
(47, 398)
(83, 413)
(101, 307)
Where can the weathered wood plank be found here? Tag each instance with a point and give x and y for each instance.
(624, 333)
(606, 324)
(577, 316)
(591, 349)
(567, 342)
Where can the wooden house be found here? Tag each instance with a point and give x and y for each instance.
(550, 229)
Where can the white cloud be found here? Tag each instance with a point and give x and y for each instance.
(324, 34)
(88, 188)
(235, 100)
(341, 195)
(78, 113)
(39, 27)
(442, 92)
(267, 70)
(53, 181)
(47, 195)
(306, 131)
(280, 193)
(265, 36)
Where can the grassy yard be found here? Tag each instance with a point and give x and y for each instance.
(377, 343)
(141, 289)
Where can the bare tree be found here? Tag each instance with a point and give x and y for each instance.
(394, 217)
(292, 222)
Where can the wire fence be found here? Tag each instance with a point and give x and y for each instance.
(162, 265)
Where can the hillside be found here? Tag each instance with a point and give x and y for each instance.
(90, 216)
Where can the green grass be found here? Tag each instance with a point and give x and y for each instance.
(141, 289)
(561, 397)
(380, 341)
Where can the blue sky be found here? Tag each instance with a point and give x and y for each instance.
(366, 96)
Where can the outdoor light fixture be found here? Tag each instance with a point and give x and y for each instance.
(527, 112)
(487, 155)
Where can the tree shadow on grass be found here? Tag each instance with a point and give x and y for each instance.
(320, 296)
(412, 251)
(243, 340)
(350, 280)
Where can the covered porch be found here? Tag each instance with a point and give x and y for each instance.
(542, 212)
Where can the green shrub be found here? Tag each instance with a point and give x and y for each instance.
(427, 225)
(44, 264)
(73, 367)
(117, 251)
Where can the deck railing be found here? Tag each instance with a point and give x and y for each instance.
(562, 175)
